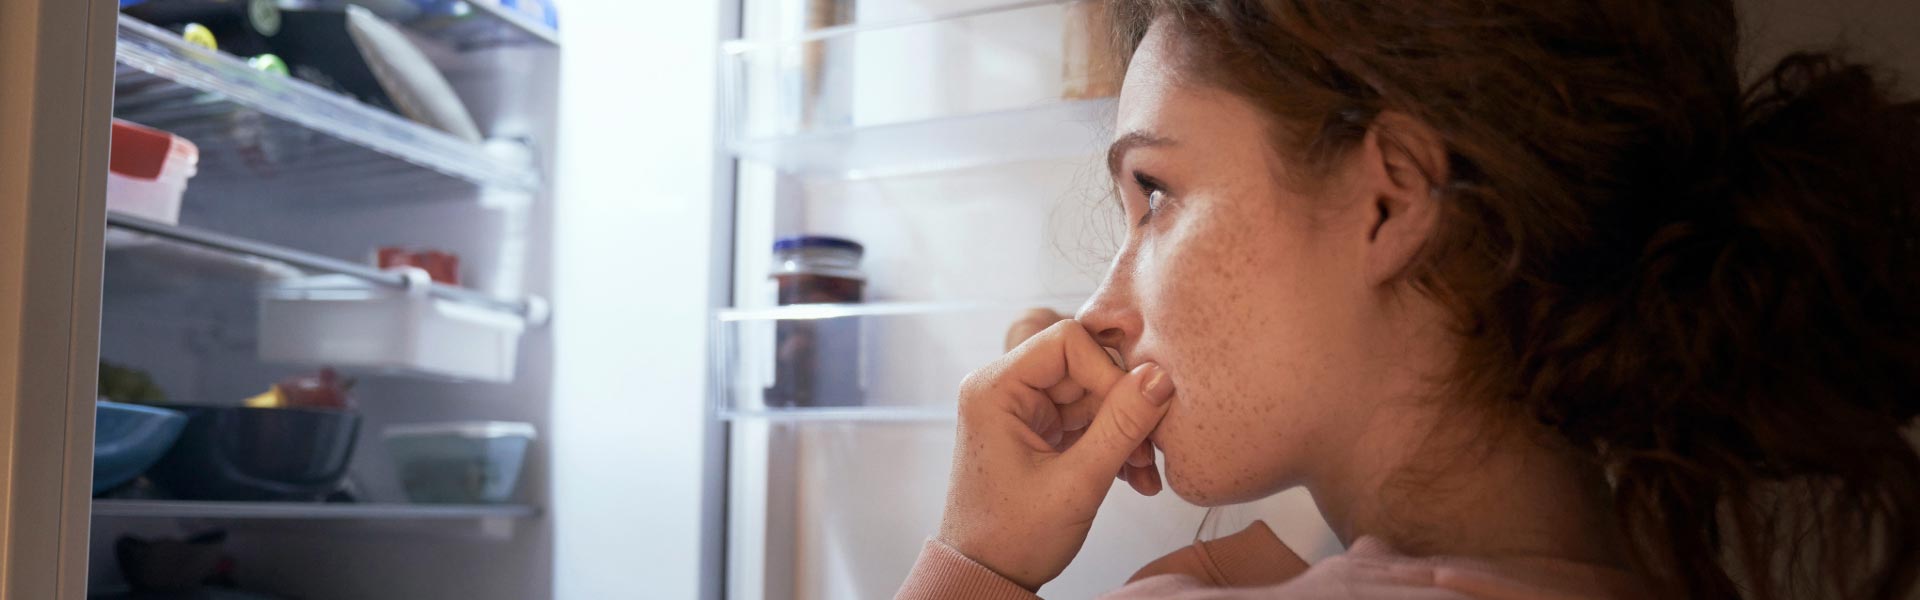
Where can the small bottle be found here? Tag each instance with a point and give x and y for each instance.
(816, 361)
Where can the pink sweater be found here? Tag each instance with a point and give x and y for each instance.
(1254, 564)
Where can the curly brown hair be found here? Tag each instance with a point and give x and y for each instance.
(1709, 291)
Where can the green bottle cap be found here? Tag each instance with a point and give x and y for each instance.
(270, 64)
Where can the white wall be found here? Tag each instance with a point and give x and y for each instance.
(633, 226)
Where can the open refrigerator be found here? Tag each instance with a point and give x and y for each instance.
(264, 271)
(961, 144)
(958, 142)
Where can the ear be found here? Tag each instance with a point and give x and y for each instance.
(1405, 165)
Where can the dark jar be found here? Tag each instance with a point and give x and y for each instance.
(816, 361)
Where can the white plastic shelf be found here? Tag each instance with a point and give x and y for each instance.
(1005, 83)
(262, 134)
(183, 509)
(881, 362)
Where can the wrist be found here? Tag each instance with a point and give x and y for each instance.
(986, 558)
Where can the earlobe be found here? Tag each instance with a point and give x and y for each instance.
(1408, 164)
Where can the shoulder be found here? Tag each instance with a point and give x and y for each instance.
(1372, 570)
(1332, 579)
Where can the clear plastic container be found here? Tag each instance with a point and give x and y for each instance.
(459, 463)
(348, 322)
(148, 172)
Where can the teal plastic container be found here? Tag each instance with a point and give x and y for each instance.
(459, 463)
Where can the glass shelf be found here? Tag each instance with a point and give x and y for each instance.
(265, 135)
(484, 25)
(1016, 82)
(138, 262)
(461, 25)
(882, 362)
(185, 509)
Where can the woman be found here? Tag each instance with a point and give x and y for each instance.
(1528, 293)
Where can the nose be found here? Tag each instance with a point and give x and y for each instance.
(1112, 314)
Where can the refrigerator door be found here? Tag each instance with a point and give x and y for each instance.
(57, 59)
(960, 142)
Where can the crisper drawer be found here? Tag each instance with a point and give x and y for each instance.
(342, 321)
(857, 362)
(1018, 81)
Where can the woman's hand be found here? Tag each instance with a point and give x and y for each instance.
(1023, 492)
(1139, 471)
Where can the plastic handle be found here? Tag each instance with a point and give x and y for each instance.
(416, 281)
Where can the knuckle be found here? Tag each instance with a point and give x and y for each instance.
(973, 384)
(977, 387)
(1128, 427)
(1061, 328)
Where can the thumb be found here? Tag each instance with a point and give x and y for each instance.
(1133, 407)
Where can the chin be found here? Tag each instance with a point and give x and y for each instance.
(1202, 489)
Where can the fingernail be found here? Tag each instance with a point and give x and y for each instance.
(1154, 384)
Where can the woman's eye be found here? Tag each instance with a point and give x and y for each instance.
(1156, 195)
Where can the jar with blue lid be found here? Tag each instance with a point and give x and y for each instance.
(816, 269)
(816, 361)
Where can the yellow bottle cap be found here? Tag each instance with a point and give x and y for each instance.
(199, 35)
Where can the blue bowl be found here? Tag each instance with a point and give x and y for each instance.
(258, 454)
(129, 438)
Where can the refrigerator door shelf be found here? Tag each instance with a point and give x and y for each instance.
(883, 362)
(1048, 131)
(1022, 81)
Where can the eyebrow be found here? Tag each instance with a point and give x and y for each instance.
(1126, 143)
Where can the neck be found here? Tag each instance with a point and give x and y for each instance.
(1433, 483)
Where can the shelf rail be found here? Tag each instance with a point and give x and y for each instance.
(182, 509)
(533, 309)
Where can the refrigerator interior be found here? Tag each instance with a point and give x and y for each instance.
(190, 317)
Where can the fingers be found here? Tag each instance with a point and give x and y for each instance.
(1063, 352)
(1020, 382)
(1142, 455)
(1068, 438)
(1146, 481)
(1132, 407)
(1032, 322)
(1139, 471)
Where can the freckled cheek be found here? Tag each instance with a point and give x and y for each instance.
(1201, 319)
(1197, 445)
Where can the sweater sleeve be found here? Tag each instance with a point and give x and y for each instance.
(942, 573)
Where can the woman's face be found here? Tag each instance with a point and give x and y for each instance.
(1254, 293)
